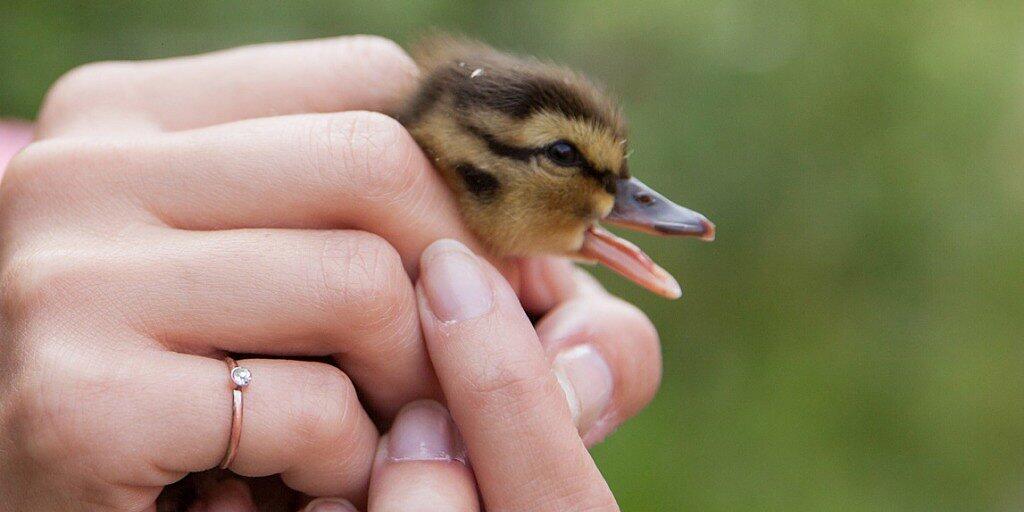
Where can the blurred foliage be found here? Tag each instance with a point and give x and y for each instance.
(854, 340)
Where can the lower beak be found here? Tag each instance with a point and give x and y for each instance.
(641, 208)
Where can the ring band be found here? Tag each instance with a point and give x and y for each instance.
(240, 377)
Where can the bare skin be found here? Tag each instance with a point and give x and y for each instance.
(510, 416)
(248, 201)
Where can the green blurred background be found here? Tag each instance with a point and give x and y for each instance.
(854, 339)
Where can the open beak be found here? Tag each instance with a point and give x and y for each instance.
(640, 208)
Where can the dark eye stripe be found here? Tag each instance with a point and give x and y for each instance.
(605, 178)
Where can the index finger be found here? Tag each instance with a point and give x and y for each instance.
(324, 75)
(510, 409)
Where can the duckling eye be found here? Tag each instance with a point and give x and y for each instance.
(563, 153)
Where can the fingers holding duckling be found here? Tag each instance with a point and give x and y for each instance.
(607, 358)
(604, 351)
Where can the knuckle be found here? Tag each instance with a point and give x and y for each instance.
(380, 50)
(328, 395)
(513, 389)
(331, 426)
(41, 415)
(30, 157)
(32, 161)
(378, 61)
(86, 84)
(390, 59)
(26, 422)
(55, 410)
(37, 281)
(363, 280)
(369, 154)
(73, 83)
(22, 166)
(53, 164)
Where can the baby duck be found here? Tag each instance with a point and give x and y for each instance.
(537, 157)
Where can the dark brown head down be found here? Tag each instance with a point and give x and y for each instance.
(532, 150)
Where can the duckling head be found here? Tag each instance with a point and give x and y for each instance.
(537, 157)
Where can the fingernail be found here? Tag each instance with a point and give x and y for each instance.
(423, 430)
(330, 505)
(587, 382)
(454, 282)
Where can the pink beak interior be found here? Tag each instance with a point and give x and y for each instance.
(640, 208)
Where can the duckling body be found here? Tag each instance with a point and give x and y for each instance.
(536, 155)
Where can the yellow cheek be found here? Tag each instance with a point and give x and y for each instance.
(605, 203)
(576, 243)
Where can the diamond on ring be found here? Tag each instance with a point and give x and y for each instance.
(241, 376)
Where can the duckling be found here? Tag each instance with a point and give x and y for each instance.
(536, 155)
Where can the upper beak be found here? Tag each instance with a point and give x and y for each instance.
(639, 207)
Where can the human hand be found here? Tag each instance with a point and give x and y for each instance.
(519, 432)
(155, 228)
(520, 401)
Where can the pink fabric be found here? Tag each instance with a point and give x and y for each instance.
(14, 135)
